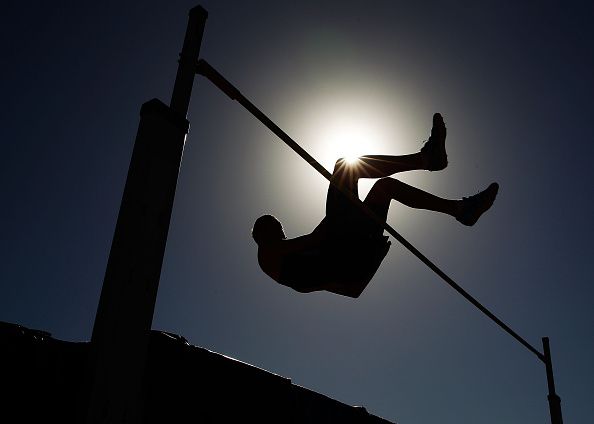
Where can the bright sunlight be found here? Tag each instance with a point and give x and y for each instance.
(348, 136)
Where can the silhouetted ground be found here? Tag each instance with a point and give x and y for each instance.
(43, 381)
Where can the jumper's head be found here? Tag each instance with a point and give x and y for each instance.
(267, 228)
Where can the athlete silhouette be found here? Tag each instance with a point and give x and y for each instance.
(344, 251)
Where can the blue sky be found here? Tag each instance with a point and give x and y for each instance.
(513, 82)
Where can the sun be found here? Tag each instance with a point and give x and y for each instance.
(351, 159)
(349, 139)
(349, 124)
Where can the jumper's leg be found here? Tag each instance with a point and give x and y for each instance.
(432, 157)
(467, 210)
(379, 166)
(346, 175)
(388, 189)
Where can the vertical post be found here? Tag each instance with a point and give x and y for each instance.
(554, 400)
(186, 70)
(124, 317)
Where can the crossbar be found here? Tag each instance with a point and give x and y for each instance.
(205, 69)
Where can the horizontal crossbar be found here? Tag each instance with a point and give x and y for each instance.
(204, 68)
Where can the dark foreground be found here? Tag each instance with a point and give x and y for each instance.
(43, 381)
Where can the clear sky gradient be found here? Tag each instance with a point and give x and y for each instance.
(514, 83)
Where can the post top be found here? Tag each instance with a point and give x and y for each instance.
(157, 107)
(198, 12)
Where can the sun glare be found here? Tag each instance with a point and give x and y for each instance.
(351, 159)
(349, 138)
(347, 120)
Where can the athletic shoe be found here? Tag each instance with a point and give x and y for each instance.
(474, 206)
(434, 149)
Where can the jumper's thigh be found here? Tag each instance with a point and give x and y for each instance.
(345, 218)
(379, 197)
(338, 206)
